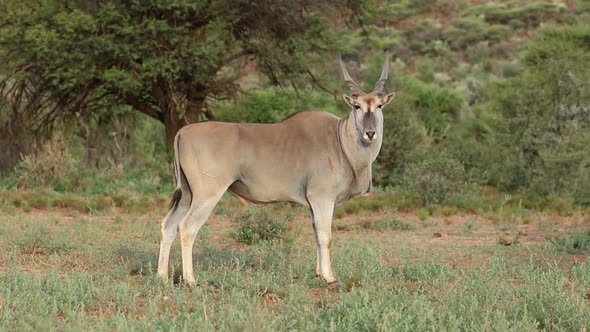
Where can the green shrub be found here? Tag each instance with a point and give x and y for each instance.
(435, 179)
(256, 225)
(388, 224)
(541, 143)
(272, 105)
(467, 31)
(563, 205)
(403, 138)
(572, 244)
(365, 204)
(420, 116)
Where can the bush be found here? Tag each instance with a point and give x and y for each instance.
(572, 244)
(272, 105)
(542, 141)
(434, 180)
(468, 31)
(526, 16)
(388, 224)
(52, 164)
(420, 116)
(256, 225)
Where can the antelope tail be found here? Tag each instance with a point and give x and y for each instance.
(179, 175)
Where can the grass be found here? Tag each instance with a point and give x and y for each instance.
(70, 270)
(501, 208)
(576, 243)
(47, 199)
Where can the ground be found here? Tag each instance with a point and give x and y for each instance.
(68, 270)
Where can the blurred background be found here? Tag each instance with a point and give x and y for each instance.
(492, 106)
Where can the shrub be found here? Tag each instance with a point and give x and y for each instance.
(420, 115)
(403, 138)
(273, 105)
(256, 225)
(52, 164)
(434, 180)
(542, 141)
(388, 224)
(572, 244)
(468, 31)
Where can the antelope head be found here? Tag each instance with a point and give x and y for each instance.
(367, 107)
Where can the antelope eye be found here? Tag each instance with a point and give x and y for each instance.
(357, 107)
(379, 106)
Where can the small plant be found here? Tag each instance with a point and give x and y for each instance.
(388, 224)
(563, 205)
(256, 225)
(572, 244)
(449, 210)
(40, 242)
(469, 225)
(423, 214)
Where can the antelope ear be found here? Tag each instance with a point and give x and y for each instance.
(349, 100)
(387, 99)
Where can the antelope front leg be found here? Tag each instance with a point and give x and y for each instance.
(322, 221)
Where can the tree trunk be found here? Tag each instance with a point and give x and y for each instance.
(172, 123)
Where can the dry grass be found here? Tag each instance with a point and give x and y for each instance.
(75, 270)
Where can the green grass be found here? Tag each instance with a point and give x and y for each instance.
(576, 243)
(499, 207)
(97, 272)
(47, 199)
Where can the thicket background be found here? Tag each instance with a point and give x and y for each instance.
(492, 97)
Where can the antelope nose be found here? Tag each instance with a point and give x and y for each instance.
(371, 134)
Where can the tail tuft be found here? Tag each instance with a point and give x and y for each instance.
(175, 198)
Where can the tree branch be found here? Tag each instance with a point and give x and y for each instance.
(141, 106)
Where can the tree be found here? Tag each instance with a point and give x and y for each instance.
(543, 139)
(163, 58)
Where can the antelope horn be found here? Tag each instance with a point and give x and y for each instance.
(381, 82)
(356, 91)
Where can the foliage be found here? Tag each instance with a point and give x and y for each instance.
(546, 118)
(403, 138)
(419, 117)
(272, 105)
(435, 179)
(461, 91)
(468, 31)
(572, 244)
(161, 58)
(51, 165)
(47, 200)
(388, 224)
(257, 225)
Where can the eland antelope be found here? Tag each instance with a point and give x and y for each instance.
(312, 158)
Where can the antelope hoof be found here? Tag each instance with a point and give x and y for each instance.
(336, 285)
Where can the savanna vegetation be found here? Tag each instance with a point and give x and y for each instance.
(480, 212)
